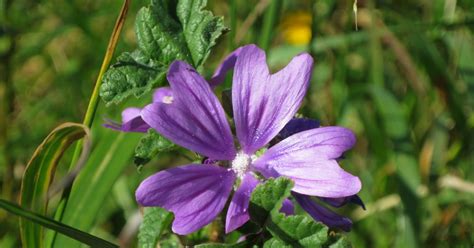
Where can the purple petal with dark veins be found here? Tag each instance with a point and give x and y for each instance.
(163, 94)
(323, 214)
(308, 158)
(196, 194)
(226, 65)
(263, 103)
(297, 125)
(339, 202)
(195, 119)
(131, 118)
(238, 214)
(131, 122)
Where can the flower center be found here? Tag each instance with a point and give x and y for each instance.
(241, 163)
(167, 99)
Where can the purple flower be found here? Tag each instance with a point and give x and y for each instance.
(131, 117)
(317, 211)
(263, 104)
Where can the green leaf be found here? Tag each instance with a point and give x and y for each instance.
(162, 38)
(391, 112)
(268, 196)
(150, 145)
(338, 241)
(171, 241)
(275, 243)
(297, 230)
(111, 155)
(287, 231)
(39, 174)
(201, 28)
(155, 220)
(132, 74)
(71, 232)
(242, 244)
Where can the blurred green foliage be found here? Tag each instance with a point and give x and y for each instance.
(403, 81)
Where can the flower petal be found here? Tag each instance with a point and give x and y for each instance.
(195, 119)
(226, 65)
(339, 202)
(131, 122)
(196, 194)
(163, 94)
(264, 103)
(297, 125)
(131, 118)
(287, 207)
(308, 158)
(237, 214)
(323, 214)
(129, 114)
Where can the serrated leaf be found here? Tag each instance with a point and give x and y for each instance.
(242, 244)
(287, 231)
(201, 28)
(133, 74)
(251, 240)
(297, 230)
(150, 145)
(155, 220)
(338, 241)
(268, 196)
(172, 241)
(166, 31)
(275, 243)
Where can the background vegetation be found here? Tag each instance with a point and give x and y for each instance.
(399, 73)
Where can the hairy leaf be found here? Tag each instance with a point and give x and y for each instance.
(297, 230)
(155, 220)
(150, 145)
(287, 231)
(275, 243)
(166, 31)
(200, 28)
(267, 197)
(242, 244)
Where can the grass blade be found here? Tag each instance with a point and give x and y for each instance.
(39, 174)
(71, 232)
(111, 155)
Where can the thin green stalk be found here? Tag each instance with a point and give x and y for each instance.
(269, 22)
(94, 100)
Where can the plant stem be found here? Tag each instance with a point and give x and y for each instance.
(94, 100)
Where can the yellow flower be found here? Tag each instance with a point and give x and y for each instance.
(296, 28)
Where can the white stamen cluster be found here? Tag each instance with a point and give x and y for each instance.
(167, 99)
(241, 163)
